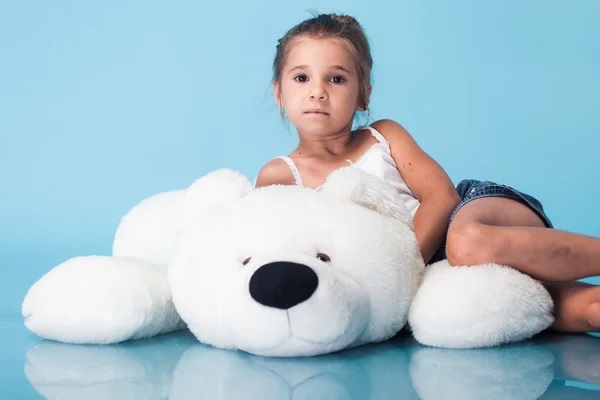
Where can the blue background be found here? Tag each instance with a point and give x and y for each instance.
(104, 104)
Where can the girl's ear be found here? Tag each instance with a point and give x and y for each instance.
(276, 94)
(369, 90)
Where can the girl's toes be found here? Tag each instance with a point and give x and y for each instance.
(594, 314)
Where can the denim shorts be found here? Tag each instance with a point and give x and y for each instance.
(471, 189)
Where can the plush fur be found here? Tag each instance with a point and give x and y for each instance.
(281, 271)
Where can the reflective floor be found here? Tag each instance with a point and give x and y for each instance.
(176, 366)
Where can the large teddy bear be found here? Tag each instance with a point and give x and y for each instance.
(280, 271)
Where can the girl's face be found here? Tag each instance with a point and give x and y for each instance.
(318, 86)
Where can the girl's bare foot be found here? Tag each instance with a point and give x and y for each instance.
(576, 306)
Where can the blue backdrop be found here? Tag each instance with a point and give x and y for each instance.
(104, 104)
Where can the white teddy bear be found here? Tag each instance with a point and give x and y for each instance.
(281, 271)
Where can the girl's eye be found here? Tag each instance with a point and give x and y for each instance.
(323, 257)
(338, 79)
(247, 260)
(301, 78)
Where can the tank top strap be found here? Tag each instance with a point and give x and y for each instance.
(294, 169)
(380, 138)
(377, 135)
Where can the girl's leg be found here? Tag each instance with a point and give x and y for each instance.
(504, 231)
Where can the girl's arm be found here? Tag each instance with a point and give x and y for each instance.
(429, 183)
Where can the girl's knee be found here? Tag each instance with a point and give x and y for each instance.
(469, 244)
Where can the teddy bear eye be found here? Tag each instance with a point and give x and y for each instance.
(323, 257)
(247, 260)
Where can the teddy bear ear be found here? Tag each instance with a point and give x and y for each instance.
(369, 191)
(219, 187)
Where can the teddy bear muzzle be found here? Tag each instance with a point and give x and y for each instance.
(283, 284)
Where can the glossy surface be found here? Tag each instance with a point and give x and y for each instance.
(176, 366)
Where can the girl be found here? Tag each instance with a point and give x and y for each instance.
(322, 79)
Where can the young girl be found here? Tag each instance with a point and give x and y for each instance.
(322, 79)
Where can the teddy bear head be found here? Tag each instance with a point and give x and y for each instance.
(283, 270)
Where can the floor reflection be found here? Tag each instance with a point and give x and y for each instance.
(176, 366)
(141, 369)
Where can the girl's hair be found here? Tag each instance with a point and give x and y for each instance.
(325, 26)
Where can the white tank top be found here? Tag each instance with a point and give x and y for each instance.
(377, 161)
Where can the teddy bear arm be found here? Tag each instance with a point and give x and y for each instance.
(478, 306)
(99, 299)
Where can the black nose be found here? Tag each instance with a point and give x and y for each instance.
(283, 284)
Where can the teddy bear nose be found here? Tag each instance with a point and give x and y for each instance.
(283, 284)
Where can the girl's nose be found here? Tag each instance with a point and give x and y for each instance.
(317, 93)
